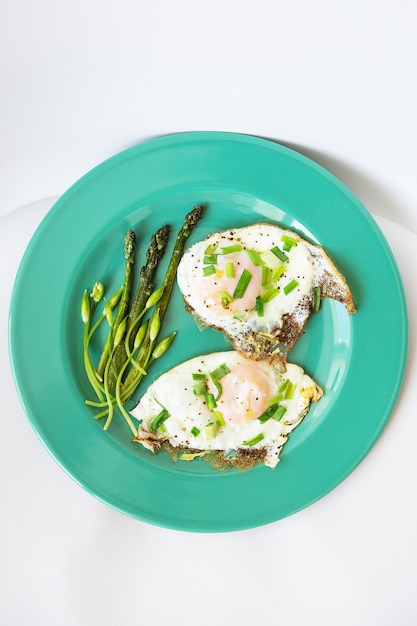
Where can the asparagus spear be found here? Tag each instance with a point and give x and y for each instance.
(129, 252)
(145, 353)
(153, 255)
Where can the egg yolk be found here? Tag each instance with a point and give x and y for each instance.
(210, 287)
(246, 391)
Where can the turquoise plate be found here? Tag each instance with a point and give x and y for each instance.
(358, 360)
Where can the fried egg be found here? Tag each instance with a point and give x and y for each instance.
(224, 402)
(258, 285)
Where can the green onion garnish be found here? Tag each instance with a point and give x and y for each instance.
(226, 298)
(211, 430)
(253, 441)
(289, 391)
(229, 249)
(278, 253)
(195, 431)
(270, 411)
(219, 418)
(267, 274)
(229, 269)
(216, 375)
(210, 401)
(220, 371)
(290, 241)
(270, 294)
(159, 419)
(279, 413)
(210, 258)
(209, 270)
(316, 299)
(211, 248)
(286, 390)
(242, 284)
(199, 377)
(200, 388)
(255, 257)
(278, 272)
(259, 306)
(291, 285)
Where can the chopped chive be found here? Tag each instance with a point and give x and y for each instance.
(270, 411)
(229, 269)
(316, 299)
(291, 286)
(159, 419)
(286, 246)
(242, 284)
(211, 248)
(226, 298)
(267, 274)
(220, 371)
(199, 377)
(253, 441)
(219, 418)
(278, 253)
(195, 431)
(216, 375)
(229, 249)
(200, 388)
(278, 272)
(289, 391)
(211, 402)
(289, 240)
(269, 294)
(209, 270)
(279, 413)
(211, 430)
(210, 258)
(255, 257)
(259, 306)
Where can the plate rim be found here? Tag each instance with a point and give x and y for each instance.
(155, 143)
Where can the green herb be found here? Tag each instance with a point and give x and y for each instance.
(291, 286)
(254, 440)
(278, 272)
(290, 241)
(242, 284)
(229, 249)
(195, 431)
(210, 401)
(216, 375)
(199, 377)
(210, 258)
(269, 294)
(267, 274)
(210, 248)
(200, 388)
(210, 430)
(159, 419)
(229, 269)
(226, 298)
(209, 270)
(255, 257)
(219, 418)
(259, 306)
(278, 253)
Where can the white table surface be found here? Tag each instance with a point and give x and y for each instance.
(82, 80)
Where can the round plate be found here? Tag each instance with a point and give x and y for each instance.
(359, 360)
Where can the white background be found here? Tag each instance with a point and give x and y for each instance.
(82, 80)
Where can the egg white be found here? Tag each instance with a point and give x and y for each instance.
(203, 293)
(173, 392)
